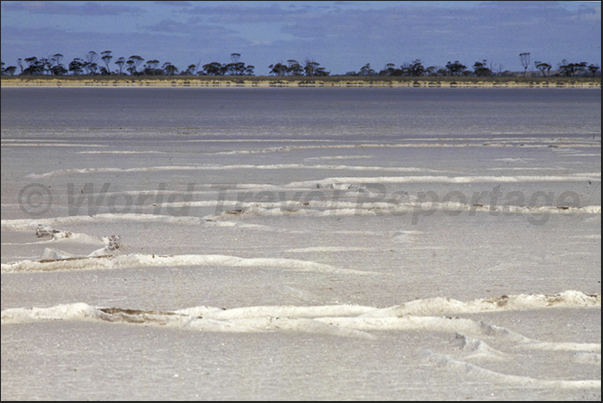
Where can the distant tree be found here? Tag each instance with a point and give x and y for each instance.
(90, 62)
(480, 69)
(35, 66)
(593, 68)
(106, 58)
(294, 68)
(190, 70)
(55, 66)
(150, 68)
(310, 66)
(57, 58)
(214, 69)
(169, 68)
(278, 69)
(388, 70)
(525, 62)
(431, 71)
(249, 70)
(416, 68)
(120, 63)
(542, 66)
(20, 64)
(366, 70)
(77, 66)
(10, 70)
(456, 68)
(133, 62)
(572, 69)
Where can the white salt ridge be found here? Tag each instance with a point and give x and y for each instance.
(121, 152)
(341, 320)
(28, 224)
(340, 208)
(332, 249)
(97, 261)
(482, 374)
(85, 171)
(439, 306)
(579, 177)
(491, 143)
(477, 349)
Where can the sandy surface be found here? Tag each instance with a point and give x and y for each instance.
(329, 82)
(258, 268)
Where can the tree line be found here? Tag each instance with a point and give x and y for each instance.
(102, 64)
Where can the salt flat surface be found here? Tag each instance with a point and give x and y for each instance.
(301, 244)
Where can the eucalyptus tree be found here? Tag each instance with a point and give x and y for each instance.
(294, 68)
(366, 70)
(10, 70)
(57, 58)
(456, 68)
(572, 69)
(190, 70)
(169, 68)
(35, 66)
(525, 61)
(388, 70)
(593, 68)
(77, 66)
(106, 58)
(249, 70)
(310, 67)
(214, 69)
(151, 67)
(278, 69)
(120, 63)
(542, 66)
(481, 69)
(431, 71)
(133, 62)
(90, 64)
(416, 68)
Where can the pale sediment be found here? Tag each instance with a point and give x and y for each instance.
(269, 82)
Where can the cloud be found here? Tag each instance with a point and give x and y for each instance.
(89, 8)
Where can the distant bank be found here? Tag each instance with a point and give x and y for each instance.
(294, 82)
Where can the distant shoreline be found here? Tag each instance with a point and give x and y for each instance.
(301, 82)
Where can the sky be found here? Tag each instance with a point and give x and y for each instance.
(341, 36)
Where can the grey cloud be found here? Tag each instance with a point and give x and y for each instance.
(90, 9)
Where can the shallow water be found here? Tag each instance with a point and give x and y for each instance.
(306, 243)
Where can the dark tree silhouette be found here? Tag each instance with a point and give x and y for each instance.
(214, 69)
(542, 66)
(133, 62)
(525, 62)
(416, 68)
(481, 69)
(90, 64)
(106, 58)
(150, 67)
(294, 68)
(456, 68)
(169, 68)
(278, 69)
(120, 63)
(77, 66)
(593, 68)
